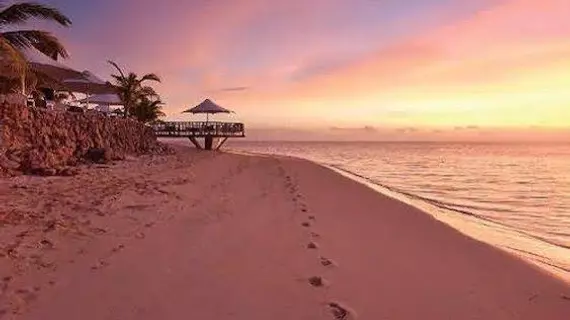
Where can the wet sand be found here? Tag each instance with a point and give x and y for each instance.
(220, 236)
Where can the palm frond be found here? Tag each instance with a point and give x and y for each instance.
(10, 57)
(150, 77)
(147, 92)
(21, 12)
(135, 96)
(147, 110)
(116, 77)
(114, 64)
(132, 78)
(44, 41)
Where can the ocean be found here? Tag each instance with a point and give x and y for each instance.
(513, 196)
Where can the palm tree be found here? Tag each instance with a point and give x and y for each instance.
(13, 41)
(132, 90)
(148, 110)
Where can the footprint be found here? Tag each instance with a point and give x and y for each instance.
(99, 265)
(312, 218)
(306, 224)
(99, 231)
(315, 235)
(325, 262)
(312, 245)
(317, 281)
(118, 248)
(27, 295)
(51, 225)
(4, 284)
(341, 312)
(46, 244)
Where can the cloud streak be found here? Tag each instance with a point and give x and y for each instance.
(234, 89)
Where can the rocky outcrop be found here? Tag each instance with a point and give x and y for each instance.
(49, 142)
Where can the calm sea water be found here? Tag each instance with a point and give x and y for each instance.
(514, 196)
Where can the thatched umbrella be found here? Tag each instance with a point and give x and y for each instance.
(12, 77)
(89, 84)
(51, 68)
(208, 107)
(44, 67)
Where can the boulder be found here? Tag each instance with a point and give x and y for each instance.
(96, 155)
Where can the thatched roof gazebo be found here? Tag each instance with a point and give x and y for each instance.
(209, 130)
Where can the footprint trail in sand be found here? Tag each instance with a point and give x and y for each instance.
(337, 310)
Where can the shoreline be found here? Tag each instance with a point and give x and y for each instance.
(226, 236)
(499, 236)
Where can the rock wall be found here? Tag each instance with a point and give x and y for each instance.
(49, 142)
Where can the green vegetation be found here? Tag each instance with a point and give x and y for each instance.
(139, 100)
(12, 62)
(148, 111)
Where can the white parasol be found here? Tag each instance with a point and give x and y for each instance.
(109, 99)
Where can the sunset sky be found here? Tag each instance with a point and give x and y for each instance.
(371, 64)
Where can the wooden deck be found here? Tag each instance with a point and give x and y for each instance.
(201, 129)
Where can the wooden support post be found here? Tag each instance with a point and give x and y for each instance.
(208, 142)
(221, 143)
(195, 142)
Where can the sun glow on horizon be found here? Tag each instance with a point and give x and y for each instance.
(482, 63)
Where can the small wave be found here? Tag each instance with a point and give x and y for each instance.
(450, 207)
(540, 259)
(435, 202)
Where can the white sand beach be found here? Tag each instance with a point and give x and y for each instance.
(201, 235)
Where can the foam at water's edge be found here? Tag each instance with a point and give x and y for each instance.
(490, 232)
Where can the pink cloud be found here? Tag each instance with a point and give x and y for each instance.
(505, 41)
(509, 22)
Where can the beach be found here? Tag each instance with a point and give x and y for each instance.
(210, 235)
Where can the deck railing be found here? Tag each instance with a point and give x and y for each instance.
(199, 129)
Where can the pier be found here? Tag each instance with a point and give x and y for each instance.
(194, 130)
